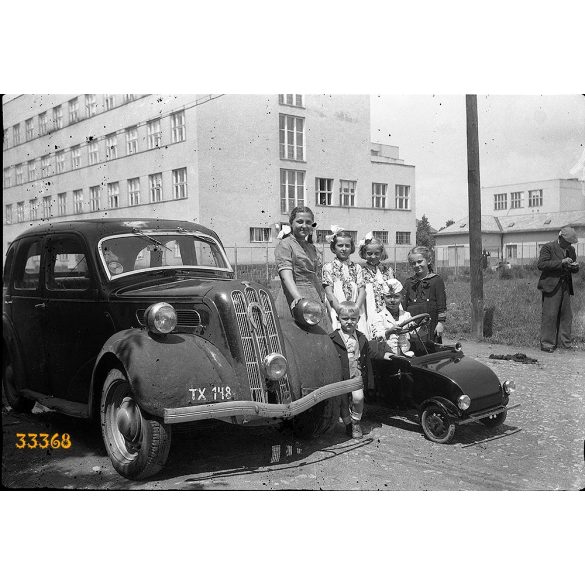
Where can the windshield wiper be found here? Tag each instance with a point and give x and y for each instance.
(139, 233)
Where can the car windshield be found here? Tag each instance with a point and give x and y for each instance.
(151, 251)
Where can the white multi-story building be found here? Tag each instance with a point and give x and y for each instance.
(235, 163)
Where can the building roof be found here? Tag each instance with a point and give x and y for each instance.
(533, 222)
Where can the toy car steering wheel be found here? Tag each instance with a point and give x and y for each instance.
(414, 323)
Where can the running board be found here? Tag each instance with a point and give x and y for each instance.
(76, 409)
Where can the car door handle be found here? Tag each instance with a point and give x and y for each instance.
(41, 306)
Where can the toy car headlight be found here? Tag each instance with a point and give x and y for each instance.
(463, 402)
(308, 312)
(161, 318)
(509, 386)
(275, 366)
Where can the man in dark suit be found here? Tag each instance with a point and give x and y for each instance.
(354, 355)
(557, 261)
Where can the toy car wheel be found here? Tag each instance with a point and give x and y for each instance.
(17, 402)
(317, 420)
(437, 426)
(495, 420)
(137, 444)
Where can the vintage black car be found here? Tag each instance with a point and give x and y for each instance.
(141, 324)
(444, 387)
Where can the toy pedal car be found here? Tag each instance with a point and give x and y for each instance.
(446, 387)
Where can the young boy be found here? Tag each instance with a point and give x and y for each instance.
(354, 353)
(390, 319)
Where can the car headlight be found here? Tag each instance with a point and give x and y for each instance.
(308, 312)
(161, 318)
(463, 402)
(509, 386)
(275, 366)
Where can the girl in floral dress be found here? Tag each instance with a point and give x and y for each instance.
(376, 275)
(342, 278)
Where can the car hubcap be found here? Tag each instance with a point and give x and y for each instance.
(436, 424)
(129, 420)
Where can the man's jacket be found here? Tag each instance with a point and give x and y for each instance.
(363, 360)
(553, 271)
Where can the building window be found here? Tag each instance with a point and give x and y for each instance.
(535, 198)
(516, 200)
(5, 141)
(134, 191)
(75, 157)
(132, 140)
(382, 236)
(402, 197)
(379, 195)
(59, 162)
(109, 101)
(30, 129)
(129, 97)
(73, 110)
(500, 201)
(93, 155)
(180, 183)
(20, 211)
(19, 174)
(347, 193)
(94, 198)
(153, 133)
(7, 178)
(155, 187)
(32, 209)
(16, 134)
(8, 214)
(90, 105)
(58, 117)
(260, 235)
(45, 165)
(113, 195)
(291, 99)
(47, 207)
(32, 170)
(178, 127)
(292, 189)
(78, 201)
(292, 131)
(42, 123)
(403, 238)
(324, 191)
(511, 251)
(62, 204)
(321, 235)
(111, 146)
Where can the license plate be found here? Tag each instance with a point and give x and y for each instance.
(211, 394)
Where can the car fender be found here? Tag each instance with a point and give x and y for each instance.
(444, 404)
(166, 371)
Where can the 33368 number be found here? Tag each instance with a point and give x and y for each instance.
(42, 441)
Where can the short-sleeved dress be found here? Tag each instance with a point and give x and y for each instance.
(374, 279)
(346, 280)
(426, 295)
(303, 259)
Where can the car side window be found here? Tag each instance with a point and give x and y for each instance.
(67, 267)
(27, 269)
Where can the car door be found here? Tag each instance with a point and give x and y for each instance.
(28, 312)
(77, 323)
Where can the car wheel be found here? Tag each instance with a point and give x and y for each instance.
(437, 426)
(494, 420)
(17, 402)
(317, 420)
(138, 445)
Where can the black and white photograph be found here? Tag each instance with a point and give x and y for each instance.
(360, 305)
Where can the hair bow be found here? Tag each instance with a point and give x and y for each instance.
(368, 236)
(335, 229)
(285, 230)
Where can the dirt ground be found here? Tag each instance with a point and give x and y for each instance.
(542, 447)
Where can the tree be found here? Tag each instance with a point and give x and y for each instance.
(424, 233)
(449, 222)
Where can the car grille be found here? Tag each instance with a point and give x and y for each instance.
(257, 324)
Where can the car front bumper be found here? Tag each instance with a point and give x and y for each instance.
(257, 410)
(477, 416)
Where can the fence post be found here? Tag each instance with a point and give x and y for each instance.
(267, 275)
(394, 261)
(236, 259)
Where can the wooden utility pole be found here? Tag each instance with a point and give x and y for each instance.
(474, 198)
